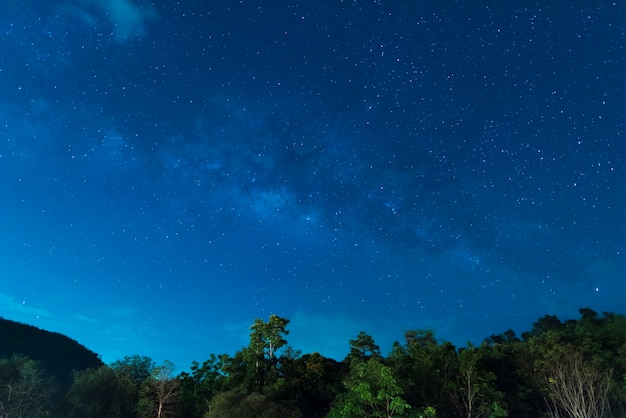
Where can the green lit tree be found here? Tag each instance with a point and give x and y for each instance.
(268, 337)
(255, 367)
(259, 358)
(372, 392)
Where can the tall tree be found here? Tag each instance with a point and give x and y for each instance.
(572, 385)
(266, 339)
(475, 395)
(362, 348)
(580, 364)
(160, 393)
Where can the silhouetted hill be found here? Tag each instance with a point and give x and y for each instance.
(59, 354)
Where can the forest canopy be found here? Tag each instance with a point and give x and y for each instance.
(571, 368)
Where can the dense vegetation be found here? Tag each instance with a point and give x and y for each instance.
(575, 368)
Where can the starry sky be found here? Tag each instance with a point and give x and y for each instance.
(172, 170)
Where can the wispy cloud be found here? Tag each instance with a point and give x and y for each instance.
(127, 18)
(21, 310)
(87, 319)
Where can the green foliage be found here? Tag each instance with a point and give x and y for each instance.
(109, 391)
(268, 337)
(237, 404)
(372, 391)
(497, 410)
(574, 365)
(476, 396)
(25, 391)
(102, 393)
(425, 369)
(312, 381)
(199, 386)
(254, 368)
(428, 412)
(505, 356)
(137, 368)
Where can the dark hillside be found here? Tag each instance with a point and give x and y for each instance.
(59, 354)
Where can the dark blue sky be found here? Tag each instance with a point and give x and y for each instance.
(170, 171)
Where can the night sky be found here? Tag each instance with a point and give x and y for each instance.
(172, 170)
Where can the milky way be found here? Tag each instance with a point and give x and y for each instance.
(172, 171)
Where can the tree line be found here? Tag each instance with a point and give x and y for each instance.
(572, 368)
